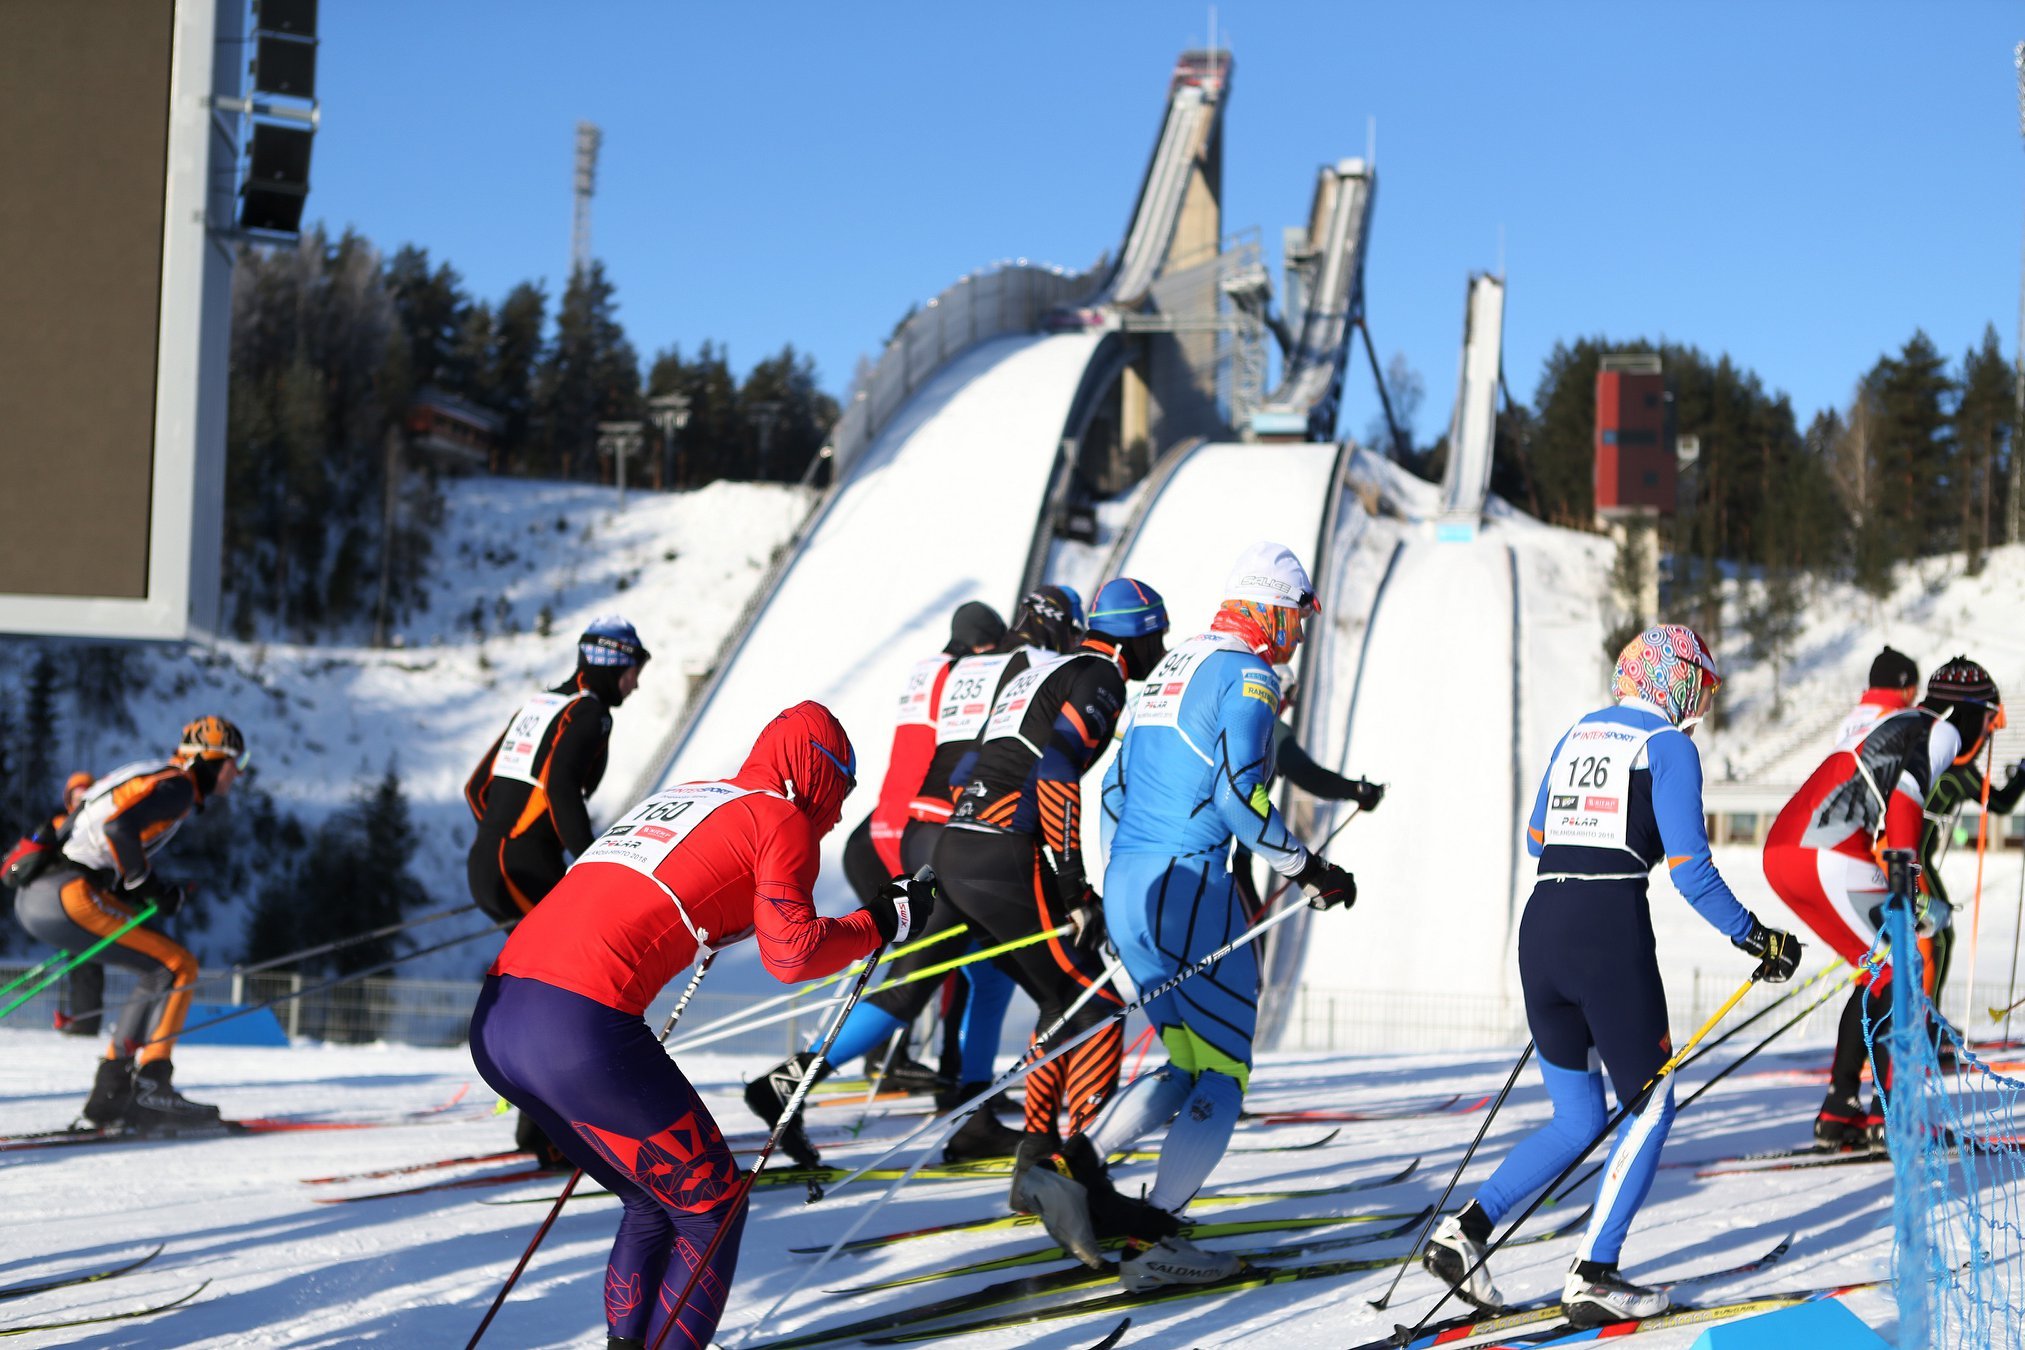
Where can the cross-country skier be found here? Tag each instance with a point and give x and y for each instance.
(872, 852)
(84, 985)
(559, 1028)
(1189, 778)
(103, 876)
(1622, 793)
(528, 792)
(1010, 860)
(1822, 857)
(1047, 624)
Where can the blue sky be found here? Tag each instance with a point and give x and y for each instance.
(1799, 184)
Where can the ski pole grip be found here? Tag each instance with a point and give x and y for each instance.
(1902, 867)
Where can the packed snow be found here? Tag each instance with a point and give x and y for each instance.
(288, 1270)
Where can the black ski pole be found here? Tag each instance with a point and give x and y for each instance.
(577, 1173)
(742, 1189)
(1434, 1216)
(338, 982)
(1404, 1335)
(322, 949)
(1773, 1006)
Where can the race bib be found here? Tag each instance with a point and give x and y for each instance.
(917, 700)
(1011, 707)
(967, 696)
(643, 838)
(1589, 786)
(1158, 703)
(515, 758)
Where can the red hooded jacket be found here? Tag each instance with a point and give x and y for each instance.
(611, 933)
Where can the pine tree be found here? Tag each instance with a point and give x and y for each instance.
(1913, 454)
(803, 414)
(41, 731)
(516, 355)
(589, 375)
(430, 304)
(1982, 433)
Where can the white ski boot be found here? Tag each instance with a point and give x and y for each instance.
(1594, 1294)
(1175, 1260)
(1064, 1210)
(1451, 1254)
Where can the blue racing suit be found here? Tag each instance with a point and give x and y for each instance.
(1623, 792)
(1189, 777)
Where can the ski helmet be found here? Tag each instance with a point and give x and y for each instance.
(611, 641)
(1893, 669)
(1963, 693)
(1050, 617)
(212, 737)
(975, 626)
(1126, 609)
(1670, 667)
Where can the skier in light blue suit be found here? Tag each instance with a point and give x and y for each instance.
(1189, 777)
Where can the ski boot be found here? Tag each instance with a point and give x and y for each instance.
(981, 1136)
(1063, 1208)
(112, 1093)
(1455, 1255)
(1874, 1132)
(768, 1095)
(1114, 1215)
(1174, 1260)
(1841, 1125)
(1595, 1293)
(624, 1343)
(531, 1138)
(908, 1075)
(1035, 1153)
(158, 1106)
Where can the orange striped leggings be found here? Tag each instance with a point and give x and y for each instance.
(64, 909)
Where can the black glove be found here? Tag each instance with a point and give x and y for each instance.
(902, 905)
(1086, 922)
(166, 896)
(1778, 952)
(1366, 793)
(1326, 884)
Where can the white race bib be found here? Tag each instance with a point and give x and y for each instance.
(1589, 785)
(967, 696)
(1011, 706)
(643, 838)
(1158, 703)
(515, 758)
(917, 700)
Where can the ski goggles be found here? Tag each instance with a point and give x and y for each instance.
(850, 770)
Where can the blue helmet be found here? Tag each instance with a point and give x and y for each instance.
(1127, 609)
(611, 641)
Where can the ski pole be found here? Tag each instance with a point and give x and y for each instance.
(322, 949)
(742, 1189)
(577, 1173)
(710, 1037)
(1976, 905)
(1830, 992)
(147, 912)
(34, 972)
(1406, 1334)
(792, 995)
(338, 982)
(1434, 1215)
(2017, 923)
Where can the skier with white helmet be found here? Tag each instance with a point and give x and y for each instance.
(1189, 777)
(1622, 793)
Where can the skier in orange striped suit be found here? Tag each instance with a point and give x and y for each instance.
(104, 876)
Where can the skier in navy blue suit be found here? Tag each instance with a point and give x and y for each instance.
(1623, 792)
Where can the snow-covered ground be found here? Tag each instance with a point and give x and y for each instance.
(286, 1270)
(325, 721)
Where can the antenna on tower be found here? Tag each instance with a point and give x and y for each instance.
(588, 140)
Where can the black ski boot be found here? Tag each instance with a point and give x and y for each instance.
(983, 1135)
(906, 1075)
(1111, 1214)
(112, 1093)
(531, 1138)
(1841, 1124)
(625, 1343)
(1034, 1151)
(768, 1095)
(158, 1106)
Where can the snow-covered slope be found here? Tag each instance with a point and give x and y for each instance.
(511, 557)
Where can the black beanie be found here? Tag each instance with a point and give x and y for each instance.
(1893, 669)
(974, 626)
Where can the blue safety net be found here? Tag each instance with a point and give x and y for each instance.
(1957, 1144)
